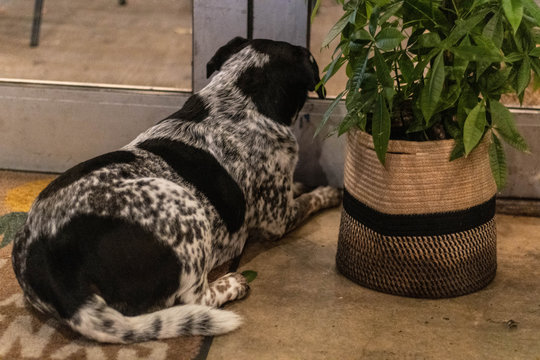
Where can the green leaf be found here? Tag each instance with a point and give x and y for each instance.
(489, 47)
(368, 96)
(513, 57)
(359, 73)
(460, 64)
(467, 101)
(374, 20)
(535, 32)
(479, 2)
(328, 112)
(463, 27)
(494, 30)
(361, 34)
(449, 97)
(10, 224)
(474, 127)
(347, 123)
(369, 10)
(337, 28)
(381, 3)
(519, 41)
(383, 72)
(388, 38)
(487, 44)
(413, 38)
(383, 75)
(390, 11)
(406, 66)
(315, 10)
(536, 82)
(478, 53)
(381, 128)
(433, 89)
(496, 81)
(513, 9)
(356, 48)
(333, 67)
(417, 125)
(532, 8)
(250, 275)
(503, 123)
(524, 76)
(535, 52)
(425, 10)
(452, 128)
(535, 63)
(429, 40)
(421, 66)
(458, 151)
(497, 162)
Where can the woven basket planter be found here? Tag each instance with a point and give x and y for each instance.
(421, 226)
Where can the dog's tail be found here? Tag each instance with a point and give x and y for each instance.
(97, 320)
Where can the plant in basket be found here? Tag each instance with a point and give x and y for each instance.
(425, 127)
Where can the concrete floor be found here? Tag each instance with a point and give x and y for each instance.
(301, 308)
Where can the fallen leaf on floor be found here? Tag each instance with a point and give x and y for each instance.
(250, 275)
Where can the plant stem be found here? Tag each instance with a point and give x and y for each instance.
(397, 76)
(456, 8)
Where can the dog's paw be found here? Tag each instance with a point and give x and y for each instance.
(329, 196)
(233, 285)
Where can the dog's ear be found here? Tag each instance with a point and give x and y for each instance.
(224, 53)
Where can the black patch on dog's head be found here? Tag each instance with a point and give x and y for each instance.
(279, 88)
(193, 110)
(224, 53)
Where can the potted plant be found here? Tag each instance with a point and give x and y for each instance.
(425, 125)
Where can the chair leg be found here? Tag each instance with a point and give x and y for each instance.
(122, 2)
(36, 24)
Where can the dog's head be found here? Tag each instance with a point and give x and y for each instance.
(278, 85)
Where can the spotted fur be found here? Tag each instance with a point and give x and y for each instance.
(119, 247)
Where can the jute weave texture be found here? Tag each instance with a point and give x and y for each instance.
(418, 177)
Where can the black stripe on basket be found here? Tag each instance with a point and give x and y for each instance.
(419, 224)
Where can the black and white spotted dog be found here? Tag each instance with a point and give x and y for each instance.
(119, 247)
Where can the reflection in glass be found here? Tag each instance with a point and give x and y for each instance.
(328, 14)
(142, 43)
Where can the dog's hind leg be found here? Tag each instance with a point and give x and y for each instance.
(299, 188)
(232, 286)
(306, 204)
